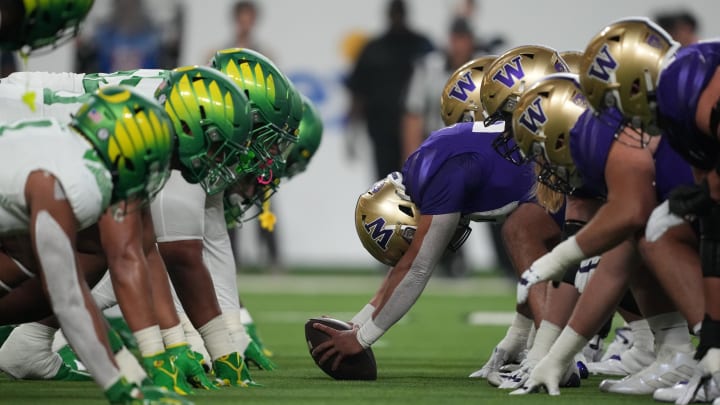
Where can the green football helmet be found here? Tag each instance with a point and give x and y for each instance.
(276, 107)
(134, 137)
(212, 120)
(309, 137)
(45, 22)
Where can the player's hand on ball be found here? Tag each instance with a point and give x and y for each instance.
(342, 342)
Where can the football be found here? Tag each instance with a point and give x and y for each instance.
(358, 367)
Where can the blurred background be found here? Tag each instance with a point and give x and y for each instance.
(316, 43)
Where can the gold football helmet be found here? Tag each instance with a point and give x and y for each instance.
(386, 220)
(504, 82)
(620, 68)
(572, 58)
(514, 72)
(541, 124)
(460, 100)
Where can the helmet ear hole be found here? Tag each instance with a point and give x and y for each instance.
(186, 128)
(406, 210)
(203, 115)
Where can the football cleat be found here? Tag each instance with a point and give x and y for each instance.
(125, 393)
(123, 330)
(251, 330)
(230, 370)
(630, 362)
(622, 342)
(662, 373)
(186, 360)
(255, 356)
(498, 359)
(163, 373)
(706, 391)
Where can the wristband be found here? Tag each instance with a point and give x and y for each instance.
(368, 334)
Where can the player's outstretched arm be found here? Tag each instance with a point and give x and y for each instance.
(52, 229)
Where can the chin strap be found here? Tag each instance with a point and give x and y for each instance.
(267, 218)
(28, 98)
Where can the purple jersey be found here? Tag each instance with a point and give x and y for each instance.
(457, 170)
(679, 88)
(590, 142)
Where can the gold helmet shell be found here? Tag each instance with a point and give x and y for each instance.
(542, 121)
(460, 100)
(621, 66)
(514, 72)
(386, 219)
(572, 58)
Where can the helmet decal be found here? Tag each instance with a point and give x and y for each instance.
(378, 233)
(603, 65)
(533, 118)
(510, 72)
(463, 86)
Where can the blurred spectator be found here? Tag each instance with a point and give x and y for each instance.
(379, 82)
(245, 16)
(431, 72)
(129, 36)
(681, 25)
(467, 10)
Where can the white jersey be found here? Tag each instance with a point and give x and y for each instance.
(28, 146)
(59, 95)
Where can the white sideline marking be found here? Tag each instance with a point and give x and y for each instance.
(491, 318)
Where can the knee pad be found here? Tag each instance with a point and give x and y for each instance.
(710, 244)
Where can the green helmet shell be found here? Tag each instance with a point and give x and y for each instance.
(134, 137)
(47, 22)
(277, 107)
(309, 137)
(212, 120)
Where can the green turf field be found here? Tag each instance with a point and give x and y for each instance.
(425, 359)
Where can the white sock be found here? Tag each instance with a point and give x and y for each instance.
(671, 334)
(150, 341)
(245, 317)
(26, 352)
(544, 339)
(531, 337)
(193, 337)
(710, 363)
(217, 337)
(517, 334)
(129, 366)
(174, 336)
(642, 335)
(237, 330)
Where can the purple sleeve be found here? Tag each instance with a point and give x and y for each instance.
(590, 141)
(679, 88)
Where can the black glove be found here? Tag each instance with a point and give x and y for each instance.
(691, 201)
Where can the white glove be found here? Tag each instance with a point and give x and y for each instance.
(660, 221)
(498, 359)
(546, 374)
(586, 270)
(549, 267)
